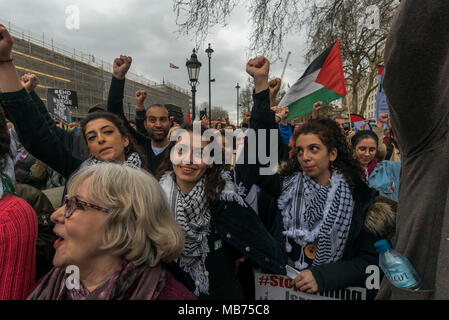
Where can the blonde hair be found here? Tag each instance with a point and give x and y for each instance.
(139, 226)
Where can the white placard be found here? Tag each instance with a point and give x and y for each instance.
(278, 287)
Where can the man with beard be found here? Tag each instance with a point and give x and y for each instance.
(156, 123)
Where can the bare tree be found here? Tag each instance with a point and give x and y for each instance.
(361, 46)
(272, 20)
(219, 114)
(323, 20)
(204, 106)
(246, 98)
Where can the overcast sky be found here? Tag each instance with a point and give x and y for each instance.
(146, 30)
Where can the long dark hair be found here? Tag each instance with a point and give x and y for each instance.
(214, 182)
(119, 124)
(332, 137)
(5, 140)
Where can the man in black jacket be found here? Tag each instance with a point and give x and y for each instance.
(156, 123)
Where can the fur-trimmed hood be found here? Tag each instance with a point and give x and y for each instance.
(381, 218)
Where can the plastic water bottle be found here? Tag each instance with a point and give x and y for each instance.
(397, 268)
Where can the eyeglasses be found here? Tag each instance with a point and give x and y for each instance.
(73, 203)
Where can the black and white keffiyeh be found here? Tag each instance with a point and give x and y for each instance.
(192, 213)
(316, 214)
(133, 160)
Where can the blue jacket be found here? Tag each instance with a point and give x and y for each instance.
(385, 179)
(286, 132)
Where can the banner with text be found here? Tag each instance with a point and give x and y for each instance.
(277, 287)
(381, 98)
(60, 102)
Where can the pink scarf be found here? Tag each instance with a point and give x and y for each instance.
(127, 283)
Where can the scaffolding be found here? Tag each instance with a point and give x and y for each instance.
(59, 66)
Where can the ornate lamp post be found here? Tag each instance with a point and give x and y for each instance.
(237, 87)
(209, 52)
(193, 69)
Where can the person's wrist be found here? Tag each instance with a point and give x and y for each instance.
(7, 63)
(140, 107)
(118, 76)
(260, 83)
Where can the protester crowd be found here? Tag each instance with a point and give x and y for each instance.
(139, 225)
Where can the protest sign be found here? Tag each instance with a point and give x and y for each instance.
(381, 98)
(60, 102)
(278, 287)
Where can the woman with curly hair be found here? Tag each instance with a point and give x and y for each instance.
(320, 209)
(219, 225)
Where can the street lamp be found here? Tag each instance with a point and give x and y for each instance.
(209, 52)
(193, 68)
(237, 87)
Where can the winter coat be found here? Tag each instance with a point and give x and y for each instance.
(45, 236)
(115, 105)
(74, 142)
(359, 251)
(385, 179)
(416, 82)
(35, 133)
(236, 231)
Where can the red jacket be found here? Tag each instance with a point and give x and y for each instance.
(18, 234)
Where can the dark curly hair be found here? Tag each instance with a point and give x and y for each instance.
(119, 124)
(332, 137)
(5, 141)
(214, 182)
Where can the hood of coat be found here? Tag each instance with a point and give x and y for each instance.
(380, 218)
(379, 213)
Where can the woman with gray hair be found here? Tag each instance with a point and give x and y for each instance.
(116, 241)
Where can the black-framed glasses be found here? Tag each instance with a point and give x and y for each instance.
(73, 203)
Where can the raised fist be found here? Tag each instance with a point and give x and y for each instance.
(276, 109)
(274, 85)
(258, 67)
(317, 106)
(383, 117)
(285, 112)
(6, 43)
(351, 133)
(121, 67)
(141, 95)
(29, 81)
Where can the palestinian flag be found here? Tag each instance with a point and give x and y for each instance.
(323, 80)
(357, 122)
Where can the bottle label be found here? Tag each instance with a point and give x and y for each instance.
(401, 277)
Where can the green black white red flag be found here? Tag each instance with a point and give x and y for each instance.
(324, 80)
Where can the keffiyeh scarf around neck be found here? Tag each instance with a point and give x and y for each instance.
(192, 213)
(133, 160)
(316, 214)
